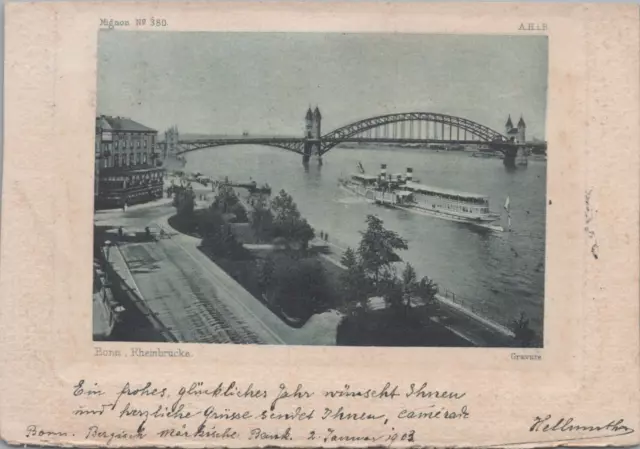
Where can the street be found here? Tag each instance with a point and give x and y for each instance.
(193, 297)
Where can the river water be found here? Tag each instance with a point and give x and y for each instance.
(500, 274)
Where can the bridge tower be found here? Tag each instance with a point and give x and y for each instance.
(308, 123)
(313, 133)
(508, 126)
(522, 127)
(171, 138)
(317, 121)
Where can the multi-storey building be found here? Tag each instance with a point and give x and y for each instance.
(127, 163)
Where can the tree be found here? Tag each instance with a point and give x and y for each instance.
(378, 248)
(211, 223)
(184, 201)
(261, 221)
(288, 223)
(409, 285)
(240, 212)
(303, 232)
(302, 288)
(284, 209)
(426, 290)
(391, 289)
(524, 335)
(354, 280)
(225, 199)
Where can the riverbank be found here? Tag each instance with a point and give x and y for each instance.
(502, 274)
(460, 319)
(466, 324)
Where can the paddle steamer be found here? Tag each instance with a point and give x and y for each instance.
(403, 192)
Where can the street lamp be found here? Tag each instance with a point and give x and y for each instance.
(107, 246)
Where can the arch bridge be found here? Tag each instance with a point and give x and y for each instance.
(402, 128)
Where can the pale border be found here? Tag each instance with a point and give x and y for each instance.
(591, 306)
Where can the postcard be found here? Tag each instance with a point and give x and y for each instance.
(320, 225)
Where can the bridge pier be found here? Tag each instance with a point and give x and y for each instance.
(509, 150)
(308, 150)
(311, 148)
(510, 159)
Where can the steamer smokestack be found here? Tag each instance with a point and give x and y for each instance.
(383, 171)
(409, 174)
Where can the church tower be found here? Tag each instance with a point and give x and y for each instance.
(308, 123)
(522, 127)
(317, 121)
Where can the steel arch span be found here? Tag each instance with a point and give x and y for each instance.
(478, 133)
(290, 144)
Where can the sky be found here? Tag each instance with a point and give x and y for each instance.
(263, 83)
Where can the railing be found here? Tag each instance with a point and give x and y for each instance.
(478, 308)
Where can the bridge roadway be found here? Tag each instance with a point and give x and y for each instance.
(296, 145)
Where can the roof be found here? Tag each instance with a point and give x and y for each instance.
(316, 112)
(309, 113)
(123, 124)
(102, 123)
(509, 122)
(521, 122)
(361, 176)
(437, 190)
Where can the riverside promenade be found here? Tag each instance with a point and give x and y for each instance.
(470, 325)
(466, 323)
(197, 301)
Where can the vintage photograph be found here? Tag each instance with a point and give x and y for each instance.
(320, 189)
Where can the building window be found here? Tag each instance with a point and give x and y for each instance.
(144, 158)
(130, 158)
(145, 143)
(137, 158)
(116, 144)
(138, 144)
(116, 160)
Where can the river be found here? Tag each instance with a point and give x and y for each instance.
(501, 274)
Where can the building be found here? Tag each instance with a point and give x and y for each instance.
(127, 163)
(516, 134)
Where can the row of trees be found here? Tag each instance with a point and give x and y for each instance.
(371, 271)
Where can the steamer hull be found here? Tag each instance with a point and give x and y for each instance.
(404, 193)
